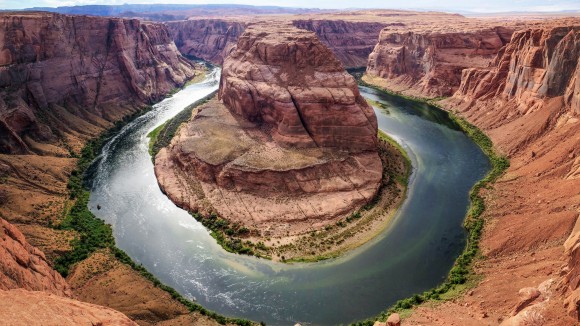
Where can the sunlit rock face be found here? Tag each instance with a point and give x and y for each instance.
(72, 75)
(290, 143)
(430, 62)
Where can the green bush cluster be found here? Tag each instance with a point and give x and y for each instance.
(228, 235)
(473, 223)
(161, 136)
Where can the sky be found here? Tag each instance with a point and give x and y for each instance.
(446, 5)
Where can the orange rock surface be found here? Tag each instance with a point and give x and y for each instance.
(24, 266)
(527, 102)
(21, 307)
(294, 145)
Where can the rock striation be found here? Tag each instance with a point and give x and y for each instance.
(20, 307)
(351, 41)
(208, 39)
(291, 144)
(24, 266)
(430, 63)
(62, 77)
(295, 85)
(214, 39)
(538, 64)
(527, 102)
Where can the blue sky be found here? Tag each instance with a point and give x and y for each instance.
(448, 5)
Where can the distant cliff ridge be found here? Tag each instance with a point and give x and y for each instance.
(430, 63)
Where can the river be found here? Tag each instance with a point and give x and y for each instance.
(413, 254)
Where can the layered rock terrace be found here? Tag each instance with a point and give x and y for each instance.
(289, 145)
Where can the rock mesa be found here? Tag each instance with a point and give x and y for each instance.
(289, 145)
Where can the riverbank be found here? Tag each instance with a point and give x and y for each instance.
(462, 275)
(343, 234)
(94, 260)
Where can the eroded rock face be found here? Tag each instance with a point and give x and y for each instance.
(290, 146)
(24, 266)
(536, 65)
(54, 68)
(351, 41)
(527, 101)
(291, 82)
(208, 39)
(214, 39)
(431, 62)
(20, 307)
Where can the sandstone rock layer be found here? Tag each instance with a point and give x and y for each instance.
(207, 39)
(24, 266)
(526, 101)
(291, 145)
(431, 62)
(63, 77)
(291, 82)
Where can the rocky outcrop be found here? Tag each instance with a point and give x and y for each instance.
(538, 64)
(290, 146)
(526, 102)
(24, 266)
(292, 83)
(20, 307)
(214, 39)
(65, 77)
(429, 63)
(351, 41)
(208, 39)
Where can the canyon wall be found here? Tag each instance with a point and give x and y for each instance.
(429, 63)
(208, 39)
(214, 39)
(67, 77)
(351, 41)
(24, 266)
(527, 102)
(64, 80)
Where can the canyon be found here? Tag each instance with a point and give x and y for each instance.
(526, 100)
(65, 79)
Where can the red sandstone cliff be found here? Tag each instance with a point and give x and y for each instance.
(351, 41)
(63, 80)
(24, 266)
(527, 102)
(293, 144)
(207, 39)
(214, 39)
(429, 63)
(290, 84)
(65, 77)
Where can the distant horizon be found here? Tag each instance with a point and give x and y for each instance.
(491, 6)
